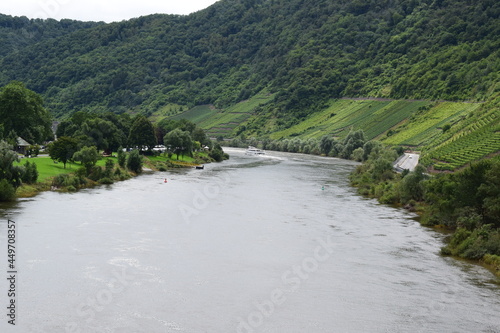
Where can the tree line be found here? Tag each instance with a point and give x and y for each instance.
(466, 202)
(354, 146)
(316, 51)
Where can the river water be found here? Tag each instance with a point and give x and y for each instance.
(279, 243)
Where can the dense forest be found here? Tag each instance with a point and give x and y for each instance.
(303, 53)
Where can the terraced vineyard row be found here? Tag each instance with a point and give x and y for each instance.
(421, 130)
(373, 117)
(465, 149)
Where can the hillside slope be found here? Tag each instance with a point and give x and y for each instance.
(303, 52)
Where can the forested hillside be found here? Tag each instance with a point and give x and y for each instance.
(302, 53)
(18, 32)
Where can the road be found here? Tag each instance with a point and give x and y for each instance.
(407, 161)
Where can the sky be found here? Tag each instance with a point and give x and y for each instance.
(99, 10)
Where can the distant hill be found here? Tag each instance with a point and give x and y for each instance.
(16, 33)
(303, 52)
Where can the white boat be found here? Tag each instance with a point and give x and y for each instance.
(254, 151)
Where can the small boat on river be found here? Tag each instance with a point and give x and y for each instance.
(252, 151)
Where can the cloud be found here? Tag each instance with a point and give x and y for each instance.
(98, 10)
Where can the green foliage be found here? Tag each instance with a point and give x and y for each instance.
(232, 50)
(33, 151)
(412, 187)
(63, 149)
(9, 171)
(134, 161)
(7, 191)
(179, 142)
(122, 157)
(22, 112)
(88, 156)
(217, 153)
(109, 166)
(142, 134)
(30, 175)
(18, 32)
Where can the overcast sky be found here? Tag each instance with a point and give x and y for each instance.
(99, 10)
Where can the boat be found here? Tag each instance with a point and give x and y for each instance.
(254, 151)
(200, 167)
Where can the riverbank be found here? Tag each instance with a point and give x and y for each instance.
(465, 203)
(54, 177)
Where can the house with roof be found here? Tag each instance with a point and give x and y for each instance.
(22, 146)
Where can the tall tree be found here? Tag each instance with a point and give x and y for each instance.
(142, 133)
(63, 149)
(180, 142)
(22, 112)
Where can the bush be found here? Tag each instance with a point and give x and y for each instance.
(30, 175)
(106, 181)
(134, 161)
(122, 157)
(96, 173)
(110, 164)
(7, 191)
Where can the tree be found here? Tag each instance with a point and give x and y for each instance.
(199, 135)
(326, 144)
(491, 192)
(354, 140)
(122, 157)
(412, 187)
(88, 156)
(22, 112)
(134, 161)
(30, 175)
(101, 133)
(8, 171)
(180, 142)
(63, 149)
(7, 191)
(142, 134)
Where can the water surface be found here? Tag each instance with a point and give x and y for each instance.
(255, 244)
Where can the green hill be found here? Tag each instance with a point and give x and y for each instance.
(281, 68)
(303, 52)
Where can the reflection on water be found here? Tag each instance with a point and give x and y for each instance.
(276, 243)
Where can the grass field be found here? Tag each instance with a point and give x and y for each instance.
(47, 168)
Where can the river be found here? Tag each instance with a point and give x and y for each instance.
(279, 243)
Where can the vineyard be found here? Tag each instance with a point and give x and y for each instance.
(478, 136)
(373, 117)
(427, 124)
(449, 134)
(223, 122)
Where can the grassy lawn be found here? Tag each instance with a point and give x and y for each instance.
(47, 168)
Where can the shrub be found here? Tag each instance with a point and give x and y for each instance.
(122, 157)
(30, 175)
(134, 161)
(7, 191)
(106, 181)
(96, 173)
